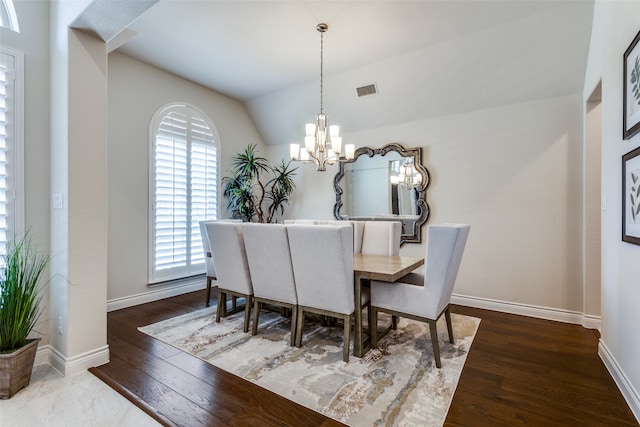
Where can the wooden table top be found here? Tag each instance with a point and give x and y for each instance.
(385, 268)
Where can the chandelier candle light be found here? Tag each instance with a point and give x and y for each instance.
(322, 143)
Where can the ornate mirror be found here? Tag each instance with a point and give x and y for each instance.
(384, 184)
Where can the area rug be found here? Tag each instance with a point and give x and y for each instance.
(396, 384)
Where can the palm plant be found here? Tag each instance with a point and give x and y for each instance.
(246, 193)
(21, 268)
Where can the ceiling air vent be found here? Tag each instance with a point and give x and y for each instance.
(367, 90)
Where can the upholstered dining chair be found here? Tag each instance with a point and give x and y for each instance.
(322, 259)
(428, 301)
(208, 261)
(208, 258)
(230, 258)
(381, 238)
(269, 259)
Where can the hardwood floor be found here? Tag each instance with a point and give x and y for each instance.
(520, 371)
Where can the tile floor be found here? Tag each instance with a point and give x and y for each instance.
(53, 400)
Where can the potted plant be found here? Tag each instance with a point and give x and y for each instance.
(21, 268)
(246, 192)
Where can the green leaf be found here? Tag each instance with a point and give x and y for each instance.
(246, 192)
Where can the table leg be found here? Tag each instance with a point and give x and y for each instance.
(358, 347)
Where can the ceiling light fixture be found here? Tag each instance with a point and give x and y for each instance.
(405, 174)
(322, 143)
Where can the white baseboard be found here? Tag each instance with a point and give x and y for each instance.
(591, 322)
(42, 355)
(73, 365)
(559, 315)
(158, 292)
(629, 393)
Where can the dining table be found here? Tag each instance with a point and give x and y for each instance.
(375, 267)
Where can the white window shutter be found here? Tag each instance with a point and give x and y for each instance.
(184, 192)
(11, 144)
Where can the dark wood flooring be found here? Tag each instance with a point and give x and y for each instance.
(521, 371)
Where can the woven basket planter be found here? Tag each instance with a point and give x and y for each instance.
(15, 369)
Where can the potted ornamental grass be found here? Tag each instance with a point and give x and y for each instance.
(21, 293)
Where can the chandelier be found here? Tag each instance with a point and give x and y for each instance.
(322, 143)
(405, 175)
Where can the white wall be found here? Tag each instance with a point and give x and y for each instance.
(33, 41)
(615, 25)
(488, 68)
(592, 208)
(136, 92)
(513, 173)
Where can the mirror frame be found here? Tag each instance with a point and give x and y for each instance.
(416, 153)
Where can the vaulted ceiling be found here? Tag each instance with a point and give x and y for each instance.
(427, 58)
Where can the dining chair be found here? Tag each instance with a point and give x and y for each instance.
(425, 302)
(322, 259)
(269, 259)
(230, 259)
(381, 238)
(208, 258)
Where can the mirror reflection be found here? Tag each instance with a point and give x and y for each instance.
(385, 184)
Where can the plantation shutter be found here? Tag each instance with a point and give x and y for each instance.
(8, 148)
(185, 192)
(204, 182)
(4, 75)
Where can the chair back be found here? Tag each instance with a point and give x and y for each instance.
(322, 259)
(229, 256)
(208, 258)
(358, 231)
(358, 228)
(301, 221)
(445, 246)
(381, 238)
(267, 247)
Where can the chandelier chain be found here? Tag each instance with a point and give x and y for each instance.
(321, 69)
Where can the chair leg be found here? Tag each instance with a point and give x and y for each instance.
(434, 342)
(294, 324)
(373, 326)
(256, 316)
(223, 298)
(447, 316)
(234, 301)
(247, 313)
(209, 283)
(299, 327)
(221, 303)
(347, 338)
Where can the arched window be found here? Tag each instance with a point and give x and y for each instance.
(183, 190)
(8, 17)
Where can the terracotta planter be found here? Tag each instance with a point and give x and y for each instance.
(15, 369)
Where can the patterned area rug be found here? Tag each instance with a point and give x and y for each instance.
(397, 384)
